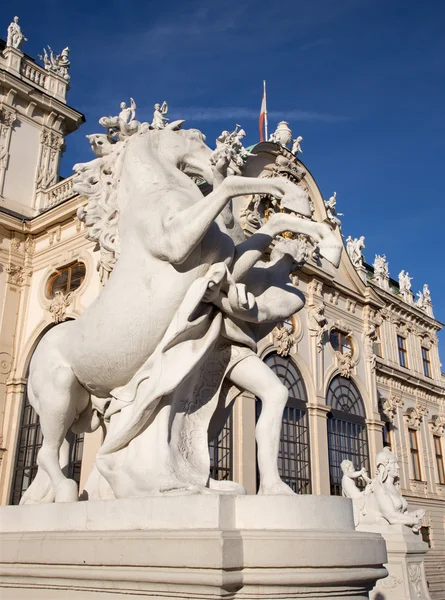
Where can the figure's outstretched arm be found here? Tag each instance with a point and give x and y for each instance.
(185, 229)
(248, 253)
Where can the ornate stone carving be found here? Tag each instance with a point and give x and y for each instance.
(389, 406)
(345, 363)
(55, 235)
(17, 274)
(30, 246)
(331, 210)
(284, 338)
(282, 135)
(381, 271)
(5, 363)
(333, 297)
(389, 583)
(437, 424)
(354, 248)
(424, 301)
(318, 324)
(56, 63)
(415, 575)
(15, 38)
(350, 305)
(15, 244)
(58, 306)
(414, 415)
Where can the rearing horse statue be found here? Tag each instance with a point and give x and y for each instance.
(157, 343)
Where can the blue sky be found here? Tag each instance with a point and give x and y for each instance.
(363, 81)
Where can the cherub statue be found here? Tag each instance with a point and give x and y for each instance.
(348, 485)
(296, 146)
(123, 125)
(127, 114)
(159, 118)
(15, 37)
(331, 209)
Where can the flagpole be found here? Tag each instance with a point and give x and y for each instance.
(265, 112)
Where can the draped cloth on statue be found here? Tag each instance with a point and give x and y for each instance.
(158, 439)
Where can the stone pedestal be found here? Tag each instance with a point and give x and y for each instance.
(406, 566)
(188, 546)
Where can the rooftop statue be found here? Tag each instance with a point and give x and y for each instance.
(15, 37)
(282, 135)
(381, 501)
(296, 146)
(331, 209)
(405, 285)
(354, 248)
(159, 118)
(160, 356)
(381, 270)
(124, 124)
(58, 64)
(424, 300)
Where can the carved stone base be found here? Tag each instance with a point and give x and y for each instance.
(406, 568)
(187, 547)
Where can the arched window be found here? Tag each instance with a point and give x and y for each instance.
(347, 434)
(293, 457)
(66, 279)
(220, 450)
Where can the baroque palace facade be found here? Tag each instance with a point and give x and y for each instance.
(360, 361)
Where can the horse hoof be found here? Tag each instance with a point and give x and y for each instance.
(67, 491)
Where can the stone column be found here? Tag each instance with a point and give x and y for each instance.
(244, 447)
(318, 441)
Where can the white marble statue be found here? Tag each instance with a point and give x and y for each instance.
(424, 300)
(159, 118)
(15, 37)
(350, 475)
(282, 135)
(162, 353)
(381, 270)
(230, 144)
(404, 282)
(354, 248)
(296, 146)
(382, 502)
(58, 63)
(331, 209)
(119, 127)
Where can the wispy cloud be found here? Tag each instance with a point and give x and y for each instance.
(203, 113)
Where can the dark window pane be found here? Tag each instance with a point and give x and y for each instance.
(220, 450)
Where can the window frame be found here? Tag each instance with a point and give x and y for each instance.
(426, 362)
(343, 341)
(414, 452)
(346, 430)
(58, 272)
(438, 453)
(402, 351)
(377, 344)
(221, 453)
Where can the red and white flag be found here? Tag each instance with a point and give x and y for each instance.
(263, 115)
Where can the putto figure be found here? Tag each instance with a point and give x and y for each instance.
(162, 374)
(296, 146)
(159, 118)
(381, 271)
(331, 209)
(15, 37)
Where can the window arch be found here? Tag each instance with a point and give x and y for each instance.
(293, 456)
(347, 433)
(29, 442)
